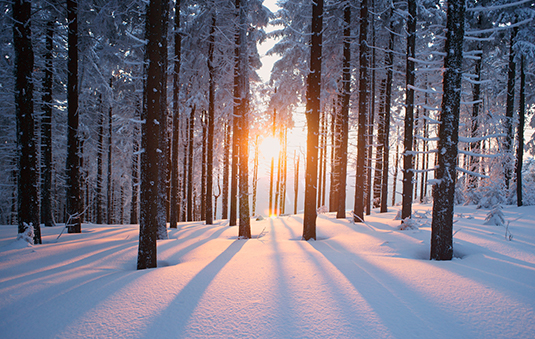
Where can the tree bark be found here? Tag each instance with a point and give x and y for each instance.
(109, 204)
(521, 123)
(313, 96)
(73, 143)
(510, 105)
(406, 204)
(226, 165)
(28, 168)
(155, 70)
(189, 195)
(211, 116)
(358, 211)
(100, 161)
(444, 190)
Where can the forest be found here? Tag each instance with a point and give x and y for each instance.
(154, 112)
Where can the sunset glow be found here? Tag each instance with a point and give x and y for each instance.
(269, 147)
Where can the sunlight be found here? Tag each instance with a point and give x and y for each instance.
(269, 147)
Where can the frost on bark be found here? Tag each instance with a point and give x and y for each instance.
(406, 203)
(155, 73)
(28, 170)
(445, 174)
(358, 211)
(510, 104)
(73, 203)
(313, 117)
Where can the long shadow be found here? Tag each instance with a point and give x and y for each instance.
(186, 301)
(401, 309)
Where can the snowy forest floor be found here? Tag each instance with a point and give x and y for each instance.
(365, 280)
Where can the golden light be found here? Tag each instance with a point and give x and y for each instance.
(269, 147)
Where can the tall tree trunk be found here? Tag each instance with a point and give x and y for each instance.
(109, 204)
(28, 168)
(344, 114)
(185, 183)
(255, 176)
(336, 155)
(406, 207)
(189, 195)
(46, 133)
(155, 70)
(444, 190)
(296, 181)
(371, 122)
(242, 93)
(174, 213)
(521, 122)
(476, 98)
(511, 75)
(135, 175)
(100, 161)
(320, 158)
(358, 214)
(226, 164)
(73, 158)
(272, 167)
(204, 123)
(313, 96)
(211, 116)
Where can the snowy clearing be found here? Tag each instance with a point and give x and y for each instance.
(356, 281)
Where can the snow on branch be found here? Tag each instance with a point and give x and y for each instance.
(420, 152)
(475, 174)
(476, 139)
(141, 41)
(422, 170)
(419, 137)
(438, 62)
(471, 102)
(423, 90)
(473, 154)
(493, 8)
(502, 28)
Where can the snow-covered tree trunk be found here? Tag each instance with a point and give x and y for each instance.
(346, 95)
(406, 208)
(521, 122)
(445, 174)
(155, 71)
(226, 165)
(360, 185)
(73, 203)
(100, 157)
(510, 105)
(313, 96)
(189, 195)
(28, 169)
(109, 203)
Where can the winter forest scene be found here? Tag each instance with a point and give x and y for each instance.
(267, 169)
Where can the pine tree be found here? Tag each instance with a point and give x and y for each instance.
(446, 173)
(211, 116)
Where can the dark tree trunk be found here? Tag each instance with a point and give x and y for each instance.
(185, 182)
(226, 165)
(204, 123)
(174, 212)
(344, 114)
(476, 98)
(211, 117)
(135, 178)
(189, 194)
(336, 142)
(444, 190)
(313, 96)
(371, 122)
(358, 211)
(46, 133)
(28, 168)
(100, 162)
(110, 150)
(73, 159)
(511, 75)
(406, 204)
(521, 122)
(155, 70)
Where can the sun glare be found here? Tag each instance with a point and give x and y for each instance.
(269, 147)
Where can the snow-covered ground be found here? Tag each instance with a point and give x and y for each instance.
(356, 281)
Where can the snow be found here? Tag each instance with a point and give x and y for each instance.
(364, 280)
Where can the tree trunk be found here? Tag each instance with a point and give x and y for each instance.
(155, 70)
(204, 123)
(313, 96)
(255, 176)
(109, 207)
(174, 213)
(226, 159)
(296, 181)
(344, 114)
(511, 74)
(46, 125)
(406, 205)
(444, 190)
(135, 177)
(73, 158)
(28, 173)
(211, 116)
(189, 194)
(100, 161)
(358, 211)
(272, 167)
(521, 122)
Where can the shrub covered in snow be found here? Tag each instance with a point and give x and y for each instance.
(27, 235)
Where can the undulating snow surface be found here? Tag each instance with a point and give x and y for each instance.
(356, 281)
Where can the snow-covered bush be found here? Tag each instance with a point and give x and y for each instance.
(27, 235)
(495, 216)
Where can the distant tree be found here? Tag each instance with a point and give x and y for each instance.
(155, 70)
(521, 122)
(312, 116)
(28, 170)
(73, 202)
(446, 172)
(510, 104)
(211, 117)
